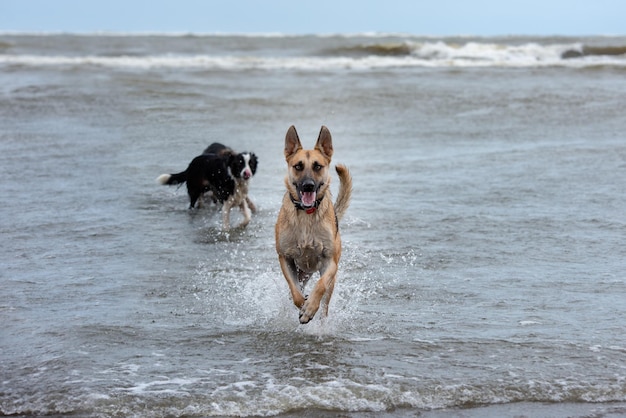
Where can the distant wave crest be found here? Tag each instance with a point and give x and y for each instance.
(590, 51)
(375, 55)
(522, 54)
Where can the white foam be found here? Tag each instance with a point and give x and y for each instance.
(528, 323)
(423, 54)
(172, 386)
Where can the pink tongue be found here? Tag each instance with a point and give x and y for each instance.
(308, 198)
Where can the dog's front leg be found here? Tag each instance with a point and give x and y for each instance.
(291, 275)
(246, 214)
(251, 204)
(228, 204)
(324, 285)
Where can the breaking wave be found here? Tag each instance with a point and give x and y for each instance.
(441, 53)
(365, 56)
(243, 398)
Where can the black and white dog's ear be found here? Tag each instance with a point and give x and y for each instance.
(253, 163)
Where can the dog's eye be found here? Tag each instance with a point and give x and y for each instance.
(299, 167)
(317, 167)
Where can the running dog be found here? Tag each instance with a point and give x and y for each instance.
(307, 229)
(225, 174)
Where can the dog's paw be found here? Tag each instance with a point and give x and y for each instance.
(304, 319)
(308, 311)
(243, 224)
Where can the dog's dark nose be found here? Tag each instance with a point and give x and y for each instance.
(308, 185)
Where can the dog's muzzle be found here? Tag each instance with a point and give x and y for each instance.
(308, 193)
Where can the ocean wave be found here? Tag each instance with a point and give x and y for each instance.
(377, 55)
(595, 51)
(484, 51)
(179, 396)
(383, 49)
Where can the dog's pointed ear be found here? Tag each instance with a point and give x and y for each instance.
(292, 142)
(324, 142)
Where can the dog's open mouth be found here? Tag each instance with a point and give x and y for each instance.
(308, 199)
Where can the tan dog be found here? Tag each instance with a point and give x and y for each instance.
(307, 230)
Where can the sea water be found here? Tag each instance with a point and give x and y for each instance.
(483, 269)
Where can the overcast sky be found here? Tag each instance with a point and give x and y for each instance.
(437, 17)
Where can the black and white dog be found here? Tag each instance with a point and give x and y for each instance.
(222, 172)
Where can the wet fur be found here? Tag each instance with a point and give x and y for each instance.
(219, 171)
(307, 243)
(239, 195)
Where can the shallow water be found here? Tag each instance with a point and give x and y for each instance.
(483, 262)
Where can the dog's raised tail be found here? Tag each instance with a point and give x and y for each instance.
(345, 190)
(170, 179)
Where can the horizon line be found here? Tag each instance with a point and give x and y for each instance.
(365, 34)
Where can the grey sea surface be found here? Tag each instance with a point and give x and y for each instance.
(484, 258)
